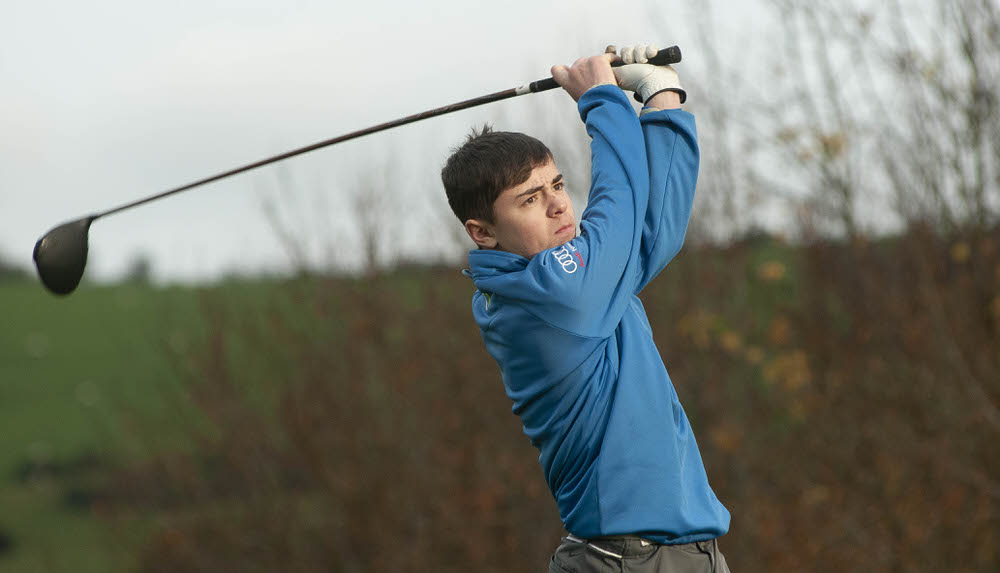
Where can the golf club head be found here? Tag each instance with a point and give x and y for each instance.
(61, 255)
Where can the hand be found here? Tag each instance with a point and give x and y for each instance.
(644, 79)
(584, 74)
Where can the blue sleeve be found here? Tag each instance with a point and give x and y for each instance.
(672, 155)
(586, 285)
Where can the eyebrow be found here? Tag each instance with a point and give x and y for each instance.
(555, 180)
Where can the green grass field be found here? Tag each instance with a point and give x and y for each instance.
(75, 374)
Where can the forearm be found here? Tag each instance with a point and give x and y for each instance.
(672, 150)
(619, 172)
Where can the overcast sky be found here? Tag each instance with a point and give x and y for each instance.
(105, 102)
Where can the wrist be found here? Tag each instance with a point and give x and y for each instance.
(665, 99)
(599, 84)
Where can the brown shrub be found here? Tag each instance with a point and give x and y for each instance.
(845, 398)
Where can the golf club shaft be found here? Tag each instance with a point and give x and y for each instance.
(670, 55)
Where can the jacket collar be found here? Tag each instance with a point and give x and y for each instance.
(485, 264)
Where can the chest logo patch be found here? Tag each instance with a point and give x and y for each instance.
(565, 260)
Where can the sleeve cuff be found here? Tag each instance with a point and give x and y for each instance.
(602, 93)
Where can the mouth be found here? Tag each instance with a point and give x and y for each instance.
(565, 229)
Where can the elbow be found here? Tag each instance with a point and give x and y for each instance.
(675, 235)
(674, 248)
(671, 248)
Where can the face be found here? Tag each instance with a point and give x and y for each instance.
(529, 218)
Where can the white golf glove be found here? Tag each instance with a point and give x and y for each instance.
(644, 79)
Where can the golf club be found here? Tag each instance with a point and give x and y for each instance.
(61, 254)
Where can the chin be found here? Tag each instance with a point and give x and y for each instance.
(563, 239)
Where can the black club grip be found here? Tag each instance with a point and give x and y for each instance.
(666, 56)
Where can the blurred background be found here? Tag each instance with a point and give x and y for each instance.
(281, 372)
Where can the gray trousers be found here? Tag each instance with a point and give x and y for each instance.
(629, 553)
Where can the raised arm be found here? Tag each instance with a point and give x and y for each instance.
(588, 282)
(672, 155)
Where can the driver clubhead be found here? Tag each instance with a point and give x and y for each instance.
(61, 255)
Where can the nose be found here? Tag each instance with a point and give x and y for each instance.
(557, 204)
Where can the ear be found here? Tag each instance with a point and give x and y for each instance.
(481, 233)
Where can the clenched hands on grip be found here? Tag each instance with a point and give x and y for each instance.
(584, 74)
(655, 86)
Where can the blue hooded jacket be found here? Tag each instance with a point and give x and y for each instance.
(575, 348)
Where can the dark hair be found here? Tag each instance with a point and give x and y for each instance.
(485, 165)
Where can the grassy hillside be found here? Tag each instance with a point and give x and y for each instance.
(75, 373)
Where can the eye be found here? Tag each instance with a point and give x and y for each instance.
(559, 186)
(530, 200)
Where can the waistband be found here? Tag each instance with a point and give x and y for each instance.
(621, 546)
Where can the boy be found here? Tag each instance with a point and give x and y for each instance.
(559, 313)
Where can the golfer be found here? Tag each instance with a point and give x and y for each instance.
(558, 311)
